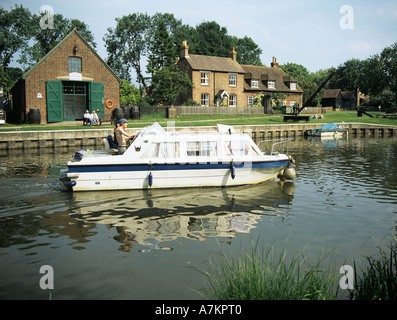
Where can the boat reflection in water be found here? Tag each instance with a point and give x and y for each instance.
(151, 217)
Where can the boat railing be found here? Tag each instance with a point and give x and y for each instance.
(279, 141)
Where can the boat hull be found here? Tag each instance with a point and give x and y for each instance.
(164, 176)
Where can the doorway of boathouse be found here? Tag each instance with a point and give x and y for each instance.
(68, 100)
(75, 100)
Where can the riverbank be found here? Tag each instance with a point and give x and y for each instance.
(206, 120)
(75, 134)
(93, 137)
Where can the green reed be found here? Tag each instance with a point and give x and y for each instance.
(263, 275)
(378, 280)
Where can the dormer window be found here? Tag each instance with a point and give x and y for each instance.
(293, 86)
(254, 83)
(271, 84)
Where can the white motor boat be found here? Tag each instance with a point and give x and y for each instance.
(160, 159)
(329, 130)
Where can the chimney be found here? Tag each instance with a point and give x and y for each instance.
(274, 63)
(184, 50)
(233, 54)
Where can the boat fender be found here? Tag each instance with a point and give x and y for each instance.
(150, 179)
(72, 183)
(233, 170)
(289, 173)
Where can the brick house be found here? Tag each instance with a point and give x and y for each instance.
(67, 81)
(224, 82)
(273, 83)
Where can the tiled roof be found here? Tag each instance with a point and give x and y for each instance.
(348, 94)
(210, 63)
(278, 75)
(331, 93)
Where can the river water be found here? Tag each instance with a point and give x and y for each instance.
(147, 244)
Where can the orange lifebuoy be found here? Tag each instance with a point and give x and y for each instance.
(109, 104)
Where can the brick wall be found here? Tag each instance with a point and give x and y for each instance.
(218, 81)
(55, 67)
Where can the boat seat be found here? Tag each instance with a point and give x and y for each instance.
(107, 147)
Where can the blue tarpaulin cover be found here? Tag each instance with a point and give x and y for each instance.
(329, 126)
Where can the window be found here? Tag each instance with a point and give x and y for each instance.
(162, 150)
(203, 149)
(271, 84)
(76, 88)
(255, 83)
(292, 103)
(232, 79)
(250, 100)
(205, 99)
(293, 86)
(74, 64)
(233, 100)
(205, 76)
(238, 148)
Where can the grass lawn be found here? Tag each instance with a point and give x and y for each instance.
(207, 120)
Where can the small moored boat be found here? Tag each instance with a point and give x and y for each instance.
(160, 159)
(329, 130)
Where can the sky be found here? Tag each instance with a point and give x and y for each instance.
(316, 34)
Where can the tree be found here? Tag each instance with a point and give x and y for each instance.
(130, 44)
(161, 50)
(309, 82)
(248, 52)
(170, 83)
(127, 45)
(348, 75)
(129, 94)
(213, 40)
(15, 32)
(45, 40)
(299, 72)
(372, 76)
(388, 59)
(140, 38)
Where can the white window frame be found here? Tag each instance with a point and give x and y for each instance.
(232, 79)
(254, 83)
(233, 100)
(205, 97)
(205, 78)
(292, 103)
(250, 100)
(293, 86)
(271, 84)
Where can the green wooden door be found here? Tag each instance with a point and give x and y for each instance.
(97, 97)
(54, 101)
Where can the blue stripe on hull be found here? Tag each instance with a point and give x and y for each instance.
(165, 167)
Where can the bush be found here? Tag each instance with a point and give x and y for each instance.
(387, 101)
